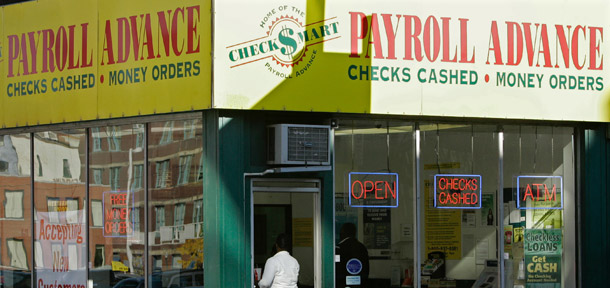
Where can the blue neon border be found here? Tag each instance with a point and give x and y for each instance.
(460, 175)
(541, 208)
(371, 173)
(104, 218)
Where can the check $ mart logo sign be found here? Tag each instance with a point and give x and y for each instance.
(288, 48)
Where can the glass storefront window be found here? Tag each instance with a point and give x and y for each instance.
(539, 205)
(459, 170)
(374, 204)
(175, 240)
(114, 240)
(16, 211)
(60, 189)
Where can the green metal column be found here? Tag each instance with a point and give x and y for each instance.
(594, 209)
(226, 245)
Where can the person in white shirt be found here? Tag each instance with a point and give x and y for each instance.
(281, 270)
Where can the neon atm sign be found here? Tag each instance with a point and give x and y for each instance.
(373, 190)
(453, 191)
(540, 192)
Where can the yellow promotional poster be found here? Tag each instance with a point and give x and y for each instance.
(413, 57)
(443, 227)
(49, 58)
(154, 57)
(76, 60)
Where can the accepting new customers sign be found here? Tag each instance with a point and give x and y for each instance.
(504, 59)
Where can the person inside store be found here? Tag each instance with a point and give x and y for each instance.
(281, 270)
(353, 265)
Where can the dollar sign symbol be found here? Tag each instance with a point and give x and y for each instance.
(290, 44)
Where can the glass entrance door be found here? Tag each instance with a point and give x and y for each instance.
(291, 208)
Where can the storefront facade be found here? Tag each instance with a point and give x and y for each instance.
(156, 144)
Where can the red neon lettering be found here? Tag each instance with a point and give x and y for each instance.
(366, 190)
(361, 189)
(377, 188)
(388, 187)
(528, 191)
(551, 196)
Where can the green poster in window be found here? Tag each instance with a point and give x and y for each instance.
(543, 249)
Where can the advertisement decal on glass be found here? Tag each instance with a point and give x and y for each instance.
(373, 190)
(117, 207)
(454, 191)
(540, 192)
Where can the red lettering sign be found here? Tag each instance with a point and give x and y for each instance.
(117, 220)
(457, 191)
(373, 189)
(540, 192)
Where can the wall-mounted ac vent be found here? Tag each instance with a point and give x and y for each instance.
(294, 144)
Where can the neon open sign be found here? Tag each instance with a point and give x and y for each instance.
(373, 190)
(540, 192)
(454, 191)
(117, 208)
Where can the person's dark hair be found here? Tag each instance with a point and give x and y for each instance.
(283, 242)
(348, 230)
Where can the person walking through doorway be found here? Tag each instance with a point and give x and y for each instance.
(281, 270)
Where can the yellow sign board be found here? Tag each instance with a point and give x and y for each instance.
(75, 60)
(118, 266)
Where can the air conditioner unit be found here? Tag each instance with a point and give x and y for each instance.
(295, 144)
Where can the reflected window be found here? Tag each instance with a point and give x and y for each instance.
(97, 176)
(162, 174)
(114, 178)
(39, 166)
(16, 253)
(179, 214)
(197, 211)
(72, 210)
(67, 173)
(72, 257)
(97, 143)
(139, 135)
(189, 129)
(52, 207)
(157, 263)
(96, 212)
(13, 204)
(168, 128)
(3, 166)
(160, 217)
(99, 258)
(176, 261)
(114, 138)
(185, 168)
(135, 218)
(38, 255)
(137, 176)
(200, 169)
